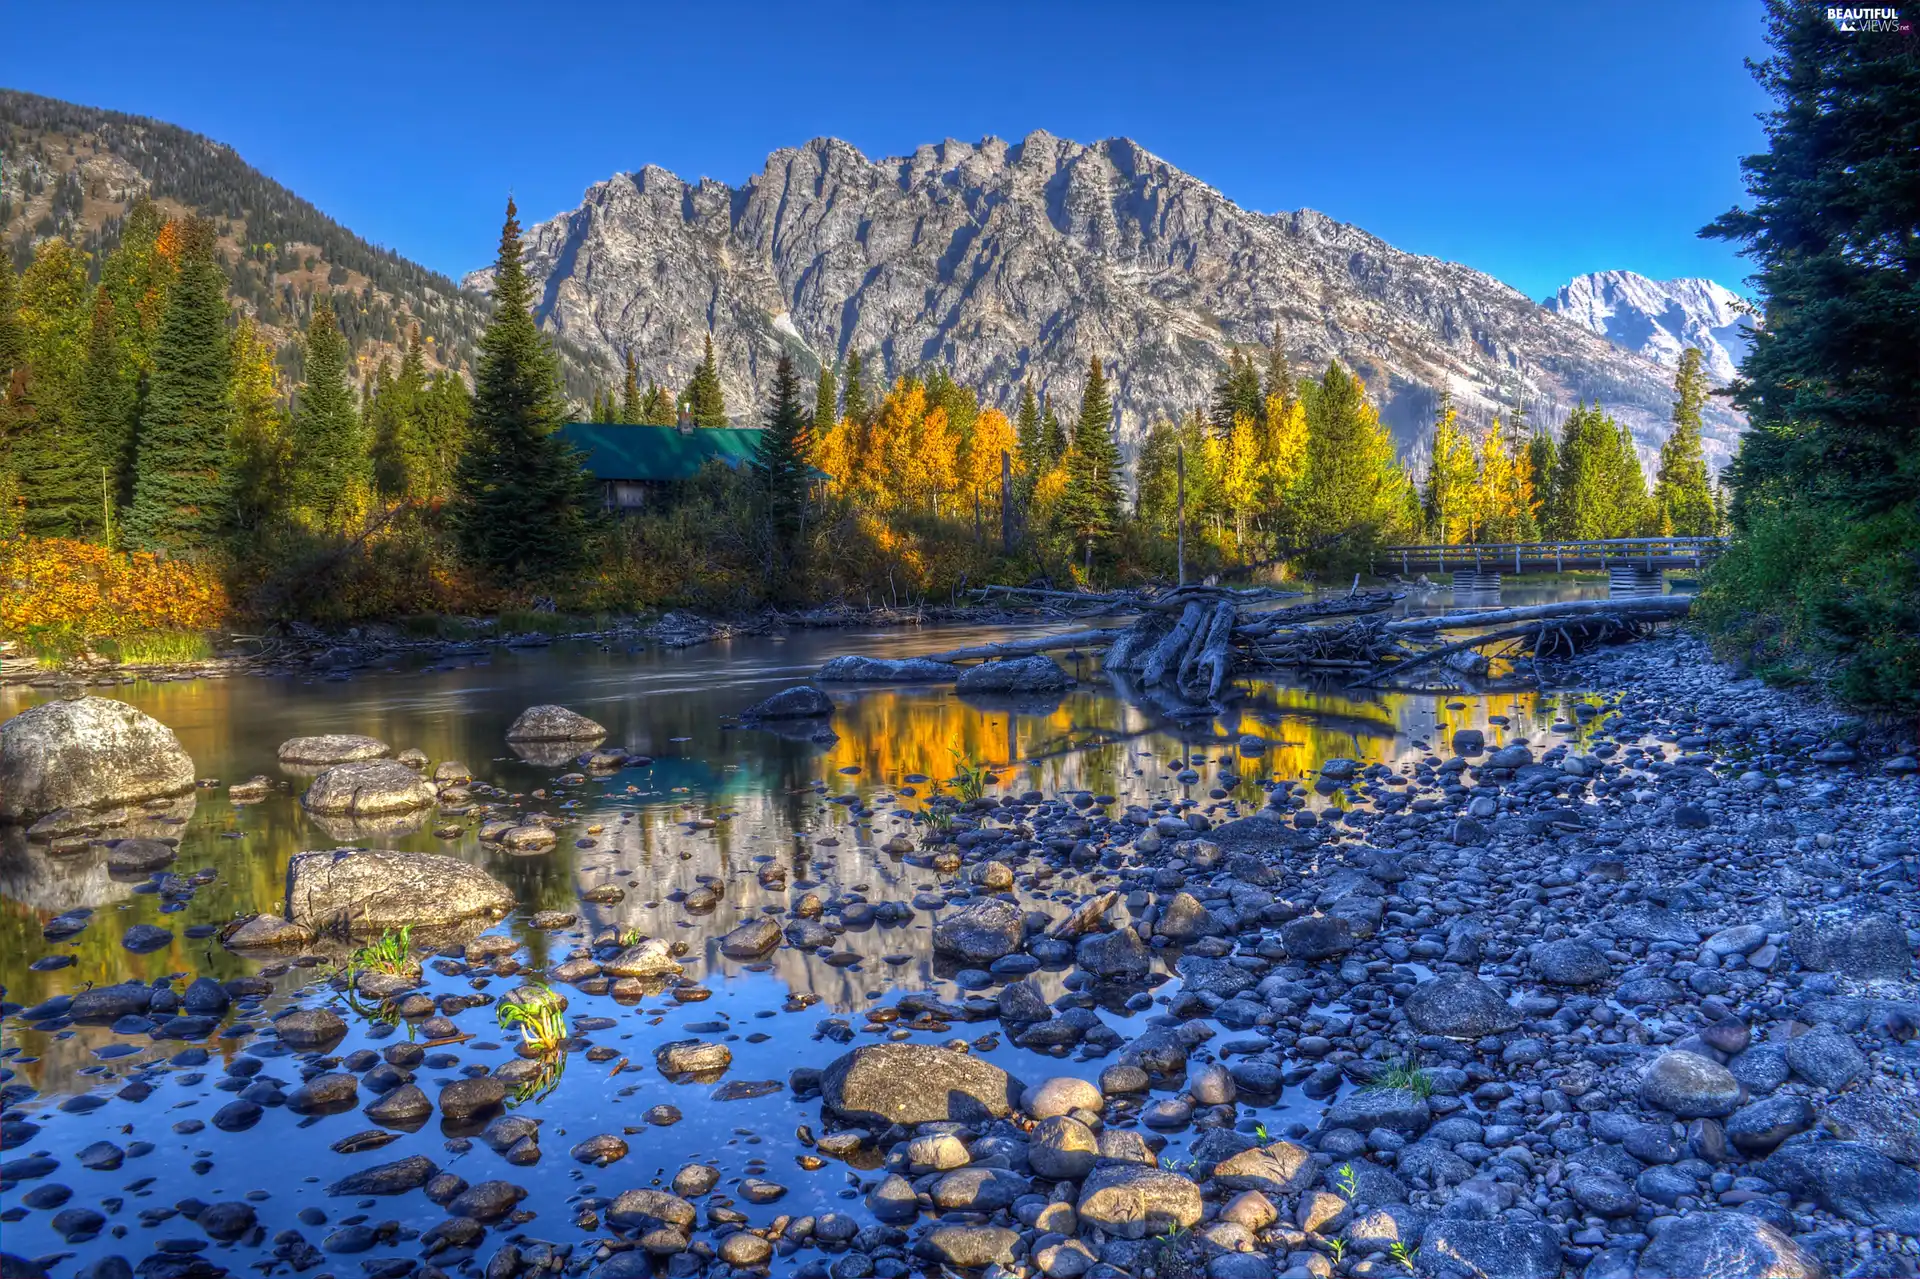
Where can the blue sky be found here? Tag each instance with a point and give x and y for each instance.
(1531, 141)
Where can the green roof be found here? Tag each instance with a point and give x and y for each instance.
(658, 453)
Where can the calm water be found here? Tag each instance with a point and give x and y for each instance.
(768, 797)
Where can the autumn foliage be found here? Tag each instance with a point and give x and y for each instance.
(84, 588)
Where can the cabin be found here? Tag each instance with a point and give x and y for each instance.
(634, 465)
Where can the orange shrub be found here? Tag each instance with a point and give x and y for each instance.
(96, 592)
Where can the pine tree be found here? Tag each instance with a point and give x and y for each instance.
(52, 449)
(1279, 380)
(329, 451)
(630, 407)
(780, 462)
(1683, 493)
(180, 492)
(1235, 391)
(1091, 508)
(705, 404)
(826, 409)
(403, 454)
(258, 440)
(13, 338)
(138, 276)
(1352, 493)
(1027, 446)
(859, 409)
(1053, 435)
(656, 409)
(1543, 459)
(521, 498)
(108, 403)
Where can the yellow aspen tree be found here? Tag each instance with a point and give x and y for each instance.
(1240, 480)
(993, 434)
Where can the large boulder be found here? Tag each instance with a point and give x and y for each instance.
(1132, 1201)
(853, 669)
(1725, 1245)
(369, 891)
(981, 932)
(1690, 1086)
(332, 748)
(882, 1084)
(803, 701)
(86, 752)
(369, 788)
(1507, 1249)
(1850, 1180)
(554, 724)
(1460, 1005)
(1036, 674)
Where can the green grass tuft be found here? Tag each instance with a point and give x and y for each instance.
(541, 1022)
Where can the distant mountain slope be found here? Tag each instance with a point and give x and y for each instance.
(1661, 318)
(1008, 260)
(73, 170)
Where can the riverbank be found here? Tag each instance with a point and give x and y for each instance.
(1613, 983)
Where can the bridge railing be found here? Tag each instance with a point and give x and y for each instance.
(1516, 557)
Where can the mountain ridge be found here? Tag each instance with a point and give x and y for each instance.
(1001, 260)
(1661, 318)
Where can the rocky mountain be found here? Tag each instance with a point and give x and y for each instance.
(1011, 260)
(73, 171)
(1661, 318)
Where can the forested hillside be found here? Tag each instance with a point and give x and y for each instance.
(75, 171)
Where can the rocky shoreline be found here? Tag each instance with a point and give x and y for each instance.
(1634, 999)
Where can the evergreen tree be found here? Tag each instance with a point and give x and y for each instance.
(108, 402)
(826, 399)
(53, 450)
(780, 461)
(13, 338)
(1352, 493)
(630, 406)
(444, 410)
(859, 409)
(1237, 391)
(1091, 507)
(1543, 459)
(180, 492)
(1683, 493)
(138, 276)
(521, 498)
(1598, 489)
(329, 452)
(657, 408)
(1053, 435)
(258, 440)
(705, 404)
(1279, 381)
(403, 453)
(1027, 441)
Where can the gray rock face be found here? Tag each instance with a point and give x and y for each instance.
(368, 891)
(1661, 318)
(1725, 1245)
(802, 701)
(1461, 1005)
(1043, 252)
(1849, 1179)
(904, 1083)
(549, 723)
(332, 748)
(854, 669)
(1690, 1086)
(368, 788)
(86, 752)
(1036, 674)
(981, 932)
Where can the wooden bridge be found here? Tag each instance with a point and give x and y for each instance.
(1649, 553)
(1635, 566)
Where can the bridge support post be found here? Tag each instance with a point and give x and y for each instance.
(1483, 584)
(1634, 581)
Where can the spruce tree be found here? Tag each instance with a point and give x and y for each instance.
(52, 450)
(1279, 380)
(1027, 440)
(403, 461)
(259, 446)
(825, 401)
(108, 401)
(657, 408)
(1352, 492)
(705, 404)
(329, 453)
(630, 406)
(1091, 505)
(13, 338)
(179, 490)
(1053, 435)
(780, 461)
(1682, 492)
(859, 409)
(1236, 391)
(522, 501)
(1543, 459)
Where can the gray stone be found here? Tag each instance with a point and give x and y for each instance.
(1848, 1179)
(394, 1178)
(466, 1098)
(1488, 1250)
(1278, 1168)
(1397, 1109)
(1757, 1128)
(1036, 674)
(1060, 1095)
(981, 931)
(86, 752)
(802, 701)
(368, 788)
(651, 958)
(138, 856)
(854, 669)
(332, 748)
(1888, 1122)
(1119, 955)
(1314, 937)
(1724, 1245)
(549, 723)
(1460, 1005)
(1061, 1148)
(905, 1083)
(970, 1247)
(1569, 963)
(370, 891)
(640, 1209)
(1690, 1086)
(1826, 1058)
(306, 1028)
(692, 1057)
(1132, 1201)
(751, 940)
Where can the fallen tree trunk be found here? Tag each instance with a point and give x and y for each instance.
(1658, 606)
(1099, 637)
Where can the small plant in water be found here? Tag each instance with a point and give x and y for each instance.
(1338, 1247)
(1260, 1131)
(971, 782)
(1404, 1255)
(1408, 1076)
(939, 819)
(1345, 1181)
(540, 1021)
(631, 937)
(391, 953)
